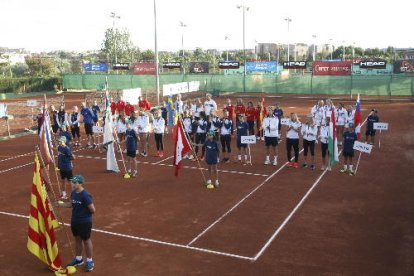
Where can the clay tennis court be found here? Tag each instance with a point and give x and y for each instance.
(262, 220)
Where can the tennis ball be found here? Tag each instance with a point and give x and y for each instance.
(126, 176)
(60, 202)
(71, 269)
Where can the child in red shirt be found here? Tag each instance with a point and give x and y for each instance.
(251, 115)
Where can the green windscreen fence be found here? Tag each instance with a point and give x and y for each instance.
(386, 85)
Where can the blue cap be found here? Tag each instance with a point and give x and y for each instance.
(211, 133)
(78, 179)
(62, 139)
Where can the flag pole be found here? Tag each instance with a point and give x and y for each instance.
(379, 140)
(356, 167)
(59, 215)
(193, 151)
(120, 151)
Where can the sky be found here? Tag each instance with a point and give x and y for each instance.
(46, 25)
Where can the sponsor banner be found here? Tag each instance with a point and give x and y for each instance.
(294, 65)
(31, 103)
(362, 147)
(97, 129)
(95, 67)
(239, 71)
(404, 66)
(120, 66)
(285, 121)
(251, 139)
(147, 68)
(261, 67)
(180, 88)
(356, 70)
(229, 64)
(171, 65)
(381, 126)
(372, 64)
(338, 68)
(199, 67)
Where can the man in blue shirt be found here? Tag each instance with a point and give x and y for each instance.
(88, 120)
(348, 149)
(64, 164)
(242, 130)
(370, 132)
(81, 221)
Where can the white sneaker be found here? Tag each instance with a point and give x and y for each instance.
(209, 182)
(257, 137)
(216, 184)
(267, 162)
(275, 162)
(262, 138)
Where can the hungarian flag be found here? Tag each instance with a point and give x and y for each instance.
(181, 145)
(41, 240)
(45, 136)
(358, 118)
(332, 141)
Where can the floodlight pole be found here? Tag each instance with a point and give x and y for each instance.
(314, 47)
(288, 24)
(244, 8)
(183, 25)
(157, 71)
(114, 17)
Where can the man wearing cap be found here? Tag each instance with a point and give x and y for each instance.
(65, 165)
(81, 221)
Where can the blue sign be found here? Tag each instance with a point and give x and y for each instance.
(261, 67)
(95, 67)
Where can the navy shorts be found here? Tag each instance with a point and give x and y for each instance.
(131, 153)
(370, 132)
(271, 141)
(82, 230)
(239, 143)
(66, 174)
(348, 153)
(88, 129)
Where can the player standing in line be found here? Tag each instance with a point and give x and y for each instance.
(62, 117)
(278, 112)
(74, 121)
(215, 125)
(292, 140)
(209, 105)
(129, 109)
(348, 149)
(251, 117)
(96, 114)
(179, 105)
(143, 122)
(121, 128)
(88, 123)
(240, 110)
(309, 133)
(65, 165)
(54, 121)
(340, 116)
(200, 136)
(318, 113)
(81, 221)
(225, 136)
(370, 132)
(131, 149)
(159, 129)
(350, 115)
(229, 107)
(324, 136)
(212, 150)
(242, 130)
(271, 134)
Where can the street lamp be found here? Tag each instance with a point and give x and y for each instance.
(183, 25)
(114, 17)
(244, 8)
(330, 42)
(227, 52)
(314, 47)
(288, 24)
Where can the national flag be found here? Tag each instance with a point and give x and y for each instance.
(45, 135)
(358, 118)
(171, 113)
(41, 240)
(107, 102)
(332, 141)
(108, 143)
(262, 114)
(181, 146)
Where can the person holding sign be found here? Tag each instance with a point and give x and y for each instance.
(348, 149)
(370, 132)
(212, 151)
(309, 132)
(271, 134)
(225, 135)
(242, 130)
(292, 140)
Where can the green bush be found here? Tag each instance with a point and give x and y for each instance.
(28, 84)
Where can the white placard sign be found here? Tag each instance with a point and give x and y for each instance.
(362, 147)
(3, 110)
(31, 103)
(248, 139)
(131, 95)
(381, 126)
(285, 121)
(97, 129)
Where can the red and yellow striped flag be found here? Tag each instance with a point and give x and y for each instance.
(41, 240)
(262, 112)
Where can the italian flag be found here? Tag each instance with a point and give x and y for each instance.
(333, 142)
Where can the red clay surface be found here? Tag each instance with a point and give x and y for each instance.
(361, 225)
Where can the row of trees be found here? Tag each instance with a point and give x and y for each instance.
(118, 47)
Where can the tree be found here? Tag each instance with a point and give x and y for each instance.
(148, 55)
(117, 45)
(41, 66)
(20, 69)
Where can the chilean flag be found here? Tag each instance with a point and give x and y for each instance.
(181, 145)
(358, 118)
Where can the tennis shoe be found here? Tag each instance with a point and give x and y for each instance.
(216, 184)
(290, 164)
(323, 168)
(75, 262)
(275, 162)
(209, 182)
(295, 165)
(89, 266)
(161, 154)
(343, 170)
(351, 172)
(304, 165)
(312, 167)
(267, 162)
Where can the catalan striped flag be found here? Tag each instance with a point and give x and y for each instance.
(262, 113)
(41, 240)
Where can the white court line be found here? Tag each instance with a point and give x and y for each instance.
(163, 160)
(17, 156)
(238, 203)
(17, 167)
(205, 250)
